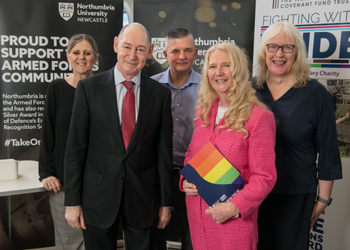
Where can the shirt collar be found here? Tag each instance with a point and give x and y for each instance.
(119, 78)
(166, 79)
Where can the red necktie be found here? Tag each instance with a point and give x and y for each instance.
(128, 113)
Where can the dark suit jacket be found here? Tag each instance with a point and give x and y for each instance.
(97, 168)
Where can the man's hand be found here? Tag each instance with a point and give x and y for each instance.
(74, 217)
(164, 217)
(52, 184)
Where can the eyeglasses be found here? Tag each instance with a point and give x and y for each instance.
(273, 48)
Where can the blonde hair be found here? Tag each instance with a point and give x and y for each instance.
(300, 67)
(241, 96)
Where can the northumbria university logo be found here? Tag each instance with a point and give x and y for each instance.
(66, 10)
(159, 46)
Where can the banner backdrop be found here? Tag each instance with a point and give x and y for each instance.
(209, 21)
(325, 27)
(33, 39)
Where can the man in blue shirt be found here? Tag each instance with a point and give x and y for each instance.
(183, 81)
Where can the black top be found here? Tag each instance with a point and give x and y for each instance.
(57, 116)
(305, 126)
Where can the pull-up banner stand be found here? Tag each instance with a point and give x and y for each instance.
(325, 28)
(210, 22)
(33, 39)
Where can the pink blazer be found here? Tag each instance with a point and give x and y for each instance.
(254, 158)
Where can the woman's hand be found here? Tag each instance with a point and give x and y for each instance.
(222, 212)
(318, 209)
(189, 188)
(52, 184)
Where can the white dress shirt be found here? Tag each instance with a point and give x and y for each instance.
(121, 91)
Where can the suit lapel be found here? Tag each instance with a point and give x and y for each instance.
(145, 111)
(110, 105)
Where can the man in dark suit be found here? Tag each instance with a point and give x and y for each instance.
(115, 168)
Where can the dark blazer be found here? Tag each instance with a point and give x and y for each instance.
(97, 168)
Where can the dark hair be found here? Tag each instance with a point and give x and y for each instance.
(177, 33)
(74, 40)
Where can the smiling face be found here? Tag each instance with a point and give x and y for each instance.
(279, 64)
(133, 50)
(180, 54)
(82, 58)
(219, 73)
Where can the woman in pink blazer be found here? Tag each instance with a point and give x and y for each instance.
(240, 127)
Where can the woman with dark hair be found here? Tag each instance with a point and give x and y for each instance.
(305, 129)
(82, 54)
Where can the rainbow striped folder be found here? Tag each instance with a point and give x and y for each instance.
(216, 179)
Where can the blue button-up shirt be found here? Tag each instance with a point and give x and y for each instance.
(182, 106)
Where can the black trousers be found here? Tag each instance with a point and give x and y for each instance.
(106, 239)
(284, 221)
(178, 224)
